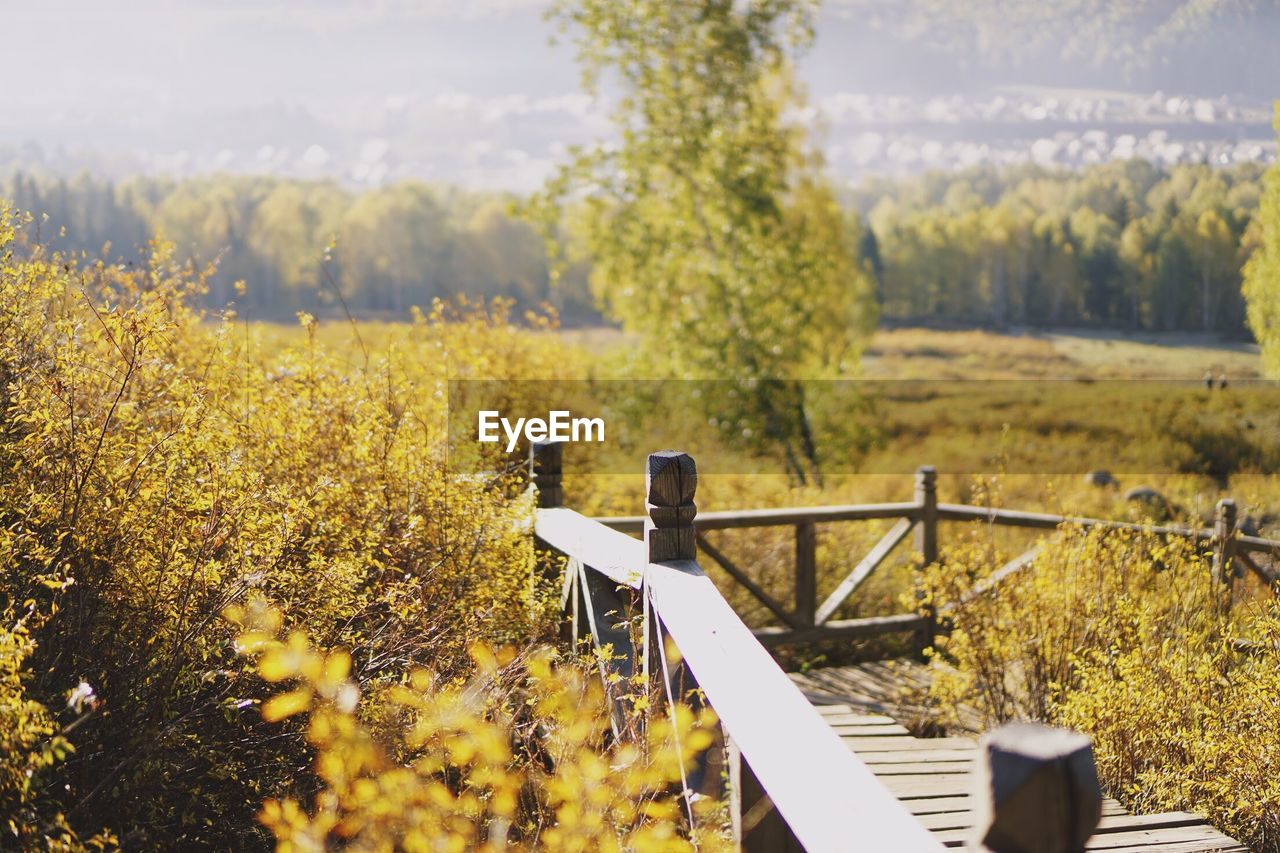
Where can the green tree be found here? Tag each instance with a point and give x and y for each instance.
(1262, 272)
(712, 230)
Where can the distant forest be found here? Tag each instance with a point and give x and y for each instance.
(1124, 244)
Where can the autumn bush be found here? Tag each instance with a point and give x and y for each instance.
(1126, 637)
(514, 756)
(161, 465)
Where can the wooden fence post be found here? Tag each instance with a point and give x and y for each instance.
(926, 537)
(1224, 542)
(671, 480)
(1036, 791)
(757, 826)
(670, 483)
(546, 461)
(806, 575)
(926, 540)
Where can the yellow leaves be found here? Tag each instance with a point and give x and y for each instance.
(465, 780)
(246, 460)
(285, 705)
(337, 666)
(276, 665)
(1118, 635)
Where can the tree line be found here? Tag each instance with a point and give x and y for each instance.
(296, 244)
(1123, 244)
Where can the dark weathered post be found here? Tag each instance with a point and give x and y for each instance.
(926, 539)
(670, 483)
(1036, 791)
(806, 575)
(546, 460)
(1224, 542)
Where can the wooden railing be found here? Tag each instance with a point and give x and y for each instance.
(805, 620)
(793, 784)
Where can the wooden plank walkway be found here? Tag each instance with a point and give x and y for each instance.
(931, 775)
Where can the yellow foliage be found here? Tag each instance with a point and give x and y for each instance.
(158, 464)
(516, 756)
(1126, 637)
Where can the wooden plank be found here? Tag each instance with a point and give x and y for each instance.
(757, 826)
(905, 743)
(1117, 823)
(939, 805)
(1109, 823)
(1204, 846)
(928, 785)
(850, 718)
(1267, 575)
(863, 570)
(874, 760)
(806, 774)
(926, 766)
(962, 804)
(615, 555)
(1258, 544)
(1158, 838)
(869, 731)
(607, 622)
(845, 629)
(1017, 564)
(785, 517)
(745, 581)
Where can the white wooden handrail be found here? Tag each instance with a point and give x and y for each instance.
(826, 795)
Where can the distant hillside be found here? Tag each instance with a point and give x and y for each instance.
(1207, 47)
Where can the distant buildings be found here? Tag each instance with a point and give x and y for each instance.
(513, 142)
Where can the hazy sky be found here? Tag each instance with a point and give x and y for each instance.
(471, 91)
(90, 54)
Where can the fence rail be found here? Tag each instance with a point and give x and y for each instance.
(806, 621)
(793, 785)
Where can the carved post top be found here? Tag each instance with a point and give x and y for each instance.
(1036, 788)
(927, 486)
(671, 481)
(926, 477)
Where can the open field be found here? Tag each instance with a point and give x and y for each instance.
(921, 353)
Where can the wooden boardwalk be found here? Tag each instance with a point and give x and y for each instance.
(931, 775)
(811, 754)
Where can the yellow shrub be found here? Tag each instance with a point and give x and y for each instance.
(513, 757)
(1126, 637)
(158, 465)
